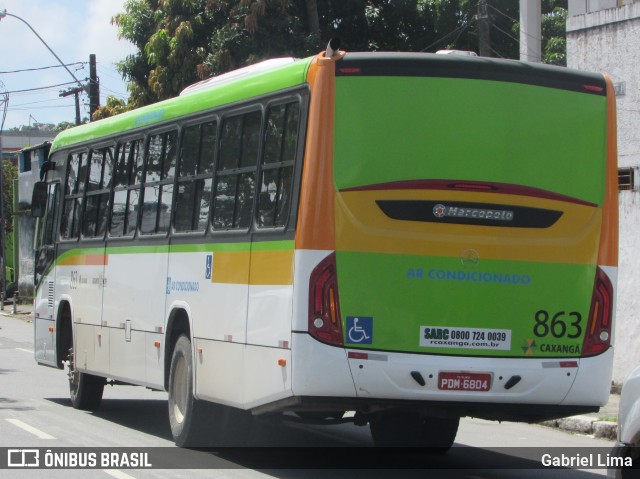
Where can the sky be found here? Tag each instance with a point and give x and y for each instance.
(73, 29)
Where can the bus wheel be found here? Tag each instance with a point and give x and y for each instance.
(186, 413)
(85, 389)
(197, 423)
(410, 429)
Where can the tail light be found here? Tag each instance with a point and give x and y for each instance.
(325, 324)
(599, 328)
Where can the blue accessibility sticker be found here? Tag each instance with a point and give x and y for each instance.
(359, 330)
(207, 267)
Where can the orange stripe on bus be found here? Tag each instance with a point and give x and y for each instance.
(257, 268)
(608, 252)
(315, 228)
(271, 268)
(85, 260)
(231, 267)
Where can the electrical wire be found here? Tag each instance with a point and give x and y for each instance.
(461, 28)
(42, 87)
(42, 68)
(50, 107)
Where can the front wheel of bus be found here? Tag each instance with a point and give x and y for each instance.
(410, 429)
(85, 389)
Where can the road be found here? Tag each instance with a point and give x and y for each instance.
(35, 412)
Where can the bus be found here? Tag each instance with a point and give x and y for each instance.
(398, 240)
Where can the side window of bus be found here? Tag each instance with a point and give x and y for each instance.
(236, 172)
(160, 165)
(127, 179)
(48, 237)
(276, 168)
(98, 192)
(73, 193)
(197, 154)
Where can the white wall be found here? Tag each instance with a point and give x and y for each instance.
(608, 40)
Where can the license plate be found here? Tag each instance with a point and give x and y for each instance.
(459, 381)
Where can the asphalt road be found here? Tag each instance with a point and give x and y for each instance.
(35, 412)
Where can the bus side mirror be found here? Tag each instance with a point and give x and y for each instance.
(46, 166)
(39, 199)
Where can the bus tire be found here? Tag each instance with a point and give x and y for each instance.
(186, 414)
(410, 429)
(196, 423)
(85, 389)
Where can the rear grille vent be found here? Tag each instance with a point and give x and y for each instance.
(50, 295)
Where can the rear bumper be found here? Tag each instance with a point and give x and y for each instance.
(501, 412)
(329, 378)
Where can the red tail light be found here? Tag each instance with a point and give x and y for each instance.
(324, 307)
(598, 335)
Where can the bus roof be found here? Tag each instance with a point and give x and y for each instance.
(260, 83)
(470, 67)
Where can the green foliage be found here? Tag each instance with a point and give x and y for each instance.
(182, 41)
(113, 107)
(9, 173)
(554, 38)
(170, 36)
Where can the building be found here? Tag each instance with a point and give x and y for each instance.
(16, 147)
(14, 141)
(602, 35)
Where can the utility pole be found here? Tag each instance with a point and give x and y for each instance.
(94, 87)
(530, 31)
(75, 91)
(3, 277)
(482, 19)
(4, 99)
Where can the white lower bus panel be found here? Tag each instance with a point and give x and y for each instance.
(326, 378)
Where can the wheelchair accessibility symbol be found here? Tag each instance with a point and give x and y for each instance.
(359, 330)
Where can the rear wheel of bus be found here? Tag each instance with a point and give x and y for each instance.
(196, 423)
(411, 429)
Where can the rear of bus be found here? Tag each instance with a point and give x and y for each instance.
(468, 257)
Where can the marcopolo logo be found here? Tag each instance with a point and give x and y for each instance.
(439, 211)
(444, 211)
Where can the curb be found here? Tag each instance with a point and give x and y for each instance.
(585, 425)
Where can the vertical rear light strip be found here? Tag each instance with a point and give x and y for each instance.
(598, 336)
(325, 323)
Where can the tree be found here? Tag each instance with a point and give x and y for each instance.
(9, 173)
(170, 36)
(113, 107)
(35, 128)
(181, 41)
(64, 125)
(554, 36)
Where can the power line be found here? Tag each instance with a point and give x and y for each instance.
(36, 102)
(44, 68)
(42, 87)
(503, 14)
(513, 20)
(42, 107)
(461, 28)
